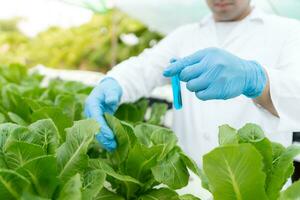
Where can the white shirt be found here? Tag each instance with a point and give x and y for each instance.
(272, 41)
(223, 30)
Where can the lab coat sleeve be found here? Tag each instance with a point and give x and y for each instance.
(138, 76)
(285, 83)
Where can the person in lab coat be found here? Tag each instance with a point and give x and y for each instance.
(237, 65)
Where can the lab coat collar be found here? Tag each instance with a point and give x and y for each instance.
(255, 15)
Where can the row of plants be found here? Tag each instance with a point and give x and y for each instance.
(95, 45)
(48, 151)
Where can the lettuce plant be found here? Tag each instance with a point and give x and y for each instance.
(247, 165)
(147, 156)
(35, 164)
(48, 150)
(24, 99)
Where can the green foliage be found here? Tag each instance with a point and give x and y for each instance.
(188, 197)
(71, 189)
(23, 100)
(72, 154)
(134, 113)
(11, 184)
(13, 43)
(249, 166)
(10, 25)
(291, 193)
(157, 113)
(230, 183)
(149, 155)
(46, 171)
(96, 45)
(161, 193)
(48, 151)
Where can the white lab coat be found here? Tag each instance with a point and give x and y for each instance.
(272, 41)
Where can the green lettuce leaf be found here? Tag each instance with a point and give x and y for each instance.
(16, 119)
(232, 171)
(291, 193)
(45, 133)
(282, 170)
(68, 104)
(171, 171)
(2, 118)
(227, 135)
(158, 110)
(161, 194)
(61, 120)
(42, 174)
(188, 197)
(105, 194)
(132, 112)
(72, 155)
(141, 160)
(5, 131)
(253, 134)
(12, 100)
(12, 184)
(166, 138)
(120, 154)
(71, 189)
(18, 153)
(92, 184)
(98, 164)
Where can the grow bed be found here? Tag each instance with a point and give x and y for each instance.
(49, 151)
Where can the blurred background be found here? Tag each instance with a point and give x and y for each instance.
(96, 34)
(62, 34)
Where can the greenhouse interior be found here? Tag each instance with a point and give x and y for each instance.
(150, 100)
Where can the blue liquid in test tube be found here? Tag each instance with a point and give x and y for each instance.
(177, 99)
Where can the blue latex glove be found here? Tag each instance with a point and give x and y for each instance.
(104, 98)
(213, 73)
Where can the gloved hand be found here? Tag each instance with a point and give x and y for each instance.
(104, 98)
(216, 74)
